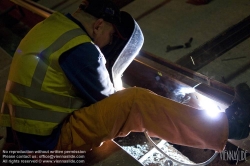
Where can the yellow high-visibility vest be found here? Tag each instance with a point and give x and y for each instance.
(38, 94)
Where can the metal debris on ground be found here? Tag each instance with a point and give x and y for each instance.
(171, 48)
(192, 60)
(188, 44)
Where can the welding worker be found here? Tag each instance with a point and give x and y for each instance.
(61, 91)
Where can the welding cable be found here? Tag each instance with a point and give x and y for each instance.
(198, 164)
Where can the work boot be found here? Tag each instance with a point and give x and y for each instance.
(238, 113)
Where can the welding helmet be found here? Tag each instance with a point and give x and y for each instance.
(127, 41)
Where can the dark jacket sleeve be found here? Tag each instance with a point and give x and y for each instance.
(85, 68)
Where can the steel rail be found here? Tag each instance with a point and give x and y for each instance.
(146, 73)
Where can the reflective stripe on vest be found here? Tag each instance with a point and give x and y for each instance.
(36, 94)
(40, 115)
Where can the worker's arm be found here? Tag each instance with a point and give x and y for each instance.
(85, 68)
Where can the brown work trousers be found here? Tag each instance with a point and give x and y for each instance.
(137, 110)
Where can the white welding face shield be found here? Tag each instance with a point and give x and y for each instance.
(122, 52)
(127, 55)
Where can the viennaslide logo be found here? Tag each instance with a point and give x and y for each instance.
(235, 155)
